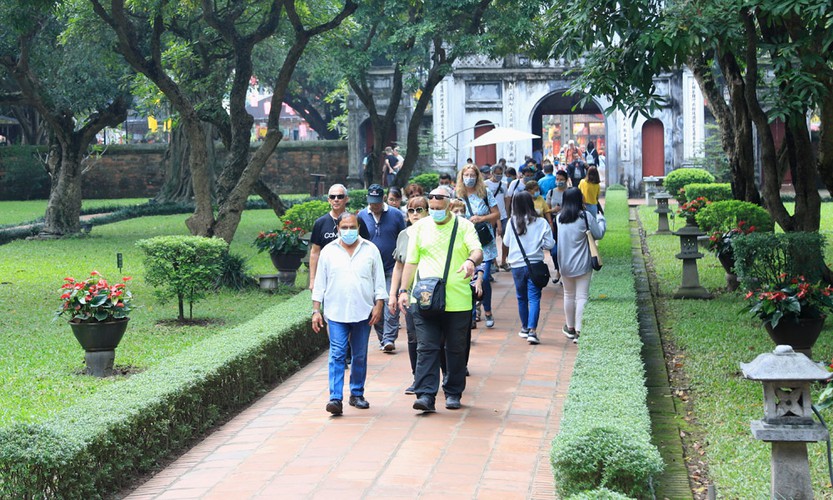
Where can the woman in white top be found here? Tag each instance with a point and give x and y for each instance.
(535, 235)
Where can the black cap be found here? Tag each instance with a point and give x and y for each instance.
(375, 194)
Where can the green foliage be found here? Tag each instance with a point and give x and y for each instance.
(616, 187)
(761, 259)
(282, 240)
(679, 178)
(96, 447)
(185, 267)
(605, 431)
(236, 273)
(303, 215)
(599, 494)
(721, 216)
(358, 200)
(711, 192)
(23, 175)
(427, 181)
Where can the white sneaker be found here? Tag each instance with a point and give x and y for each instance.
(532, 338)
(575, 340)
(570, 333)
(524, 333)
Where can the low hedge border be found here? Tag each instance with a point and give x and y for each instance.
(96, 447)
(605, 438)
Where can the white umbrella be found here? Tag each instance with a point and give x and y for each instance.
(501, 134)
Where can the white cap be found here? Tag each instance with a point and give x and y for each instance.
(571, 142)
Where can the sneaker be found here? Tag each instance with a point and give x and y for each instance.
(490, 321)
(389, 347)
(532, 337)
(523, 333)
(575, 339)
(410, 389)
(568, 332)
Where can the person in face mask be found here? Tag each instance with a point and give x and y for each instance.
(547, 183)
(429, 248)
(496, 185)
(555, 199)
(351, 281)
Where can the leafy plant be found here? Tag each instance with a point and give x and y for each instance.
(185, 267)
(721, 243)
(792, 299)
(722, 216)
(679, 178)
(235, 273)
(690, 209)
(94, 299)
(711, 192)
(286, 239)
(427, 181)
(762, 258)
(358, 200)
(303, 215)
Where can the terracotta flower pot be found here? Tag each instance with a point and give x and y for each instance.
(801, 335)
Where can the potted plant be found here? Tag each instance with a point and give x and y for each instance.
(98, 313)
(793, 311)
(286, 247)
(720, 244)
(689, 209)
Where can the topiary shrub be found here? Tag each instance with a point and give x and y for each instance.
(711, 192)
(722, 216)
(303, 215)
(760, 259)
(427, 181)
(358, 200)
(185, 267)
(677, 179)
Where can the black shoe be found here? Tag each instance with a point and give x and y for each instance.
(359, 402)
(425, 403)
(410, 389)
(334, 407)
(452, 402)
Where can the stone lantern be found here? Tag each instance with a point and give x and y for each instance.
(788, 423)
(663, 211)
(689, 253)
(650, 188)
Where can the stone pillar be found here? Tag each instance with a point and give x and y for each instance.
(663, 211)
(790, 476)
(650, 184)
(690, 288)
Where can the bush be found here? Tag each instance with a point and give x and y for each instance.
(95, 448)
(616, 187)
(605, 437)
(24, 176)
(427, 181)
(761, 258)
(677, 179)
(185, 267)
(234, 274)
(722, 216)
(599, 494)
(711, 192)
(303, 215)
(358, 200)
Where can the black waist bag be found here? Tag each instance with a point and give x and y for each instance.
(484, 229)
(430, 292)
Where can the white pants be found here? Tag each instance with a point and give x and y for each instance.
(576, 291)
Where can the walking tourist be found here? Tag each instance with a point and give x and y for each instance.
(534, 234)
(351, 281)
(394, 199)
(447, 182)
(574, 257)
(591, 155)
(390, 167)
(590, 188)
(438, 243)
(554, 201)
(547, 183)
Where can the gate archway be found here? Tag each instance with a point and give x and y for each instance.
(653, 148)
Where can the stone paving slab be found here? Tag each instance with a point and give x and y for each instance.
(497, 446)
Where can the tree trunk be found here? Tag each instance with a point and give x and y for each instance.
(270, 197)
(63, 210)
(177, 187)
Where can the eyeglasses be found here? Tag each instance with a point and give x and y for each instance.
(337, 196)
(437, 196)
(417, 210)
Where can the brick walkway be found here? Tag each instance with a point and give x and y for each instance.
(497, 446)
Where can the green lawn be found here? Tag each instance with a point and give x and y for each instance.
(713, 339)
(41, 357)
(16, 212)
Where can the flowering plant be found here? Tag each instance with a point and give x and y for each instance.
(282, 240)
(689, 209)
(721, 243)
(793, 299)
(94, 299)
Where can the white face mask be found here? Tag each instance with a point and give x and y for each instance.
(469, 181)
(438, 215)
(349, 236)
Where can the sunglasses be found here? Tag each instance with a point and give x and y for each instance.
(417, 210)
(437, 196)
(337, 196)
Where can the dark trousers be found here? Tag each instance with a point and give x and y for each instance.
(452, 329)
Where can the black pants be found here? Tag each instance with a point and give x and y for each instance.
(451, 328)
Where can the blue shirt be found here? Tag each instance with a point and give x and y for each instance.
(546, 184)
(384, 233)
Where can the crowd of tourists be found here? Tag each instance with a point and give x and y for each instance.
(431, 258)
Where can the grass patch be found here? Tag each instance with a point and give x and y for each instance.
(712, 340)
(41, 357)
(18, 212)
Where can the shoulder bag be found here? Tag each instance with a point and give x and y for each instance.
(595, 258)
(484, 229)
(539, 272)
(430, 292)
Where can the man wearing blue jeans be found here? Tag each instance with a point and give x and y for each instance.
(351, 281)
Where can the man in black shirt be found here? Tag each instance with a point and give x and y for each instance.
(325, 228)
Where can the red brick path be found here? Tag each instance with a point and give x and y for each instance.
(497, 446)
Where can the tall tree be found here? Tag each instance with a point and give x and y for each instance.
(73, 85)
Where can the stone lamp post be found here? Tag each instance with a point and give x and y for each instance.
(650, 188)
(663, 211)
(689, 253)
(787, 422)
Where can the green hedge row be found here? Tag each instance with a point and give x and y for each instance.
(605, 438)
(95, 448)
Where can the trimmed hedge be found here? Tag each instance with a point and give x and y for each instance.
(711, 192)
(605, 438)
(305, 214)
(761, 257)
(724, 215)
(677, 179)
(599, 494)
(96, 447)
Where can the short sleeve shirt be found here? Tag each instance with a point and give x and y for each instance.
(428, 248)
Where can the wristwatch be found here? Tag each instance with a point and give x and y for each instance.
(402, 290)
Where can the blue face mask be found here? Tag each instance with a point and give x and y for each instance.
(438, 215)
(349, 236)
(497, 178)
(560, 184)
(469, 181)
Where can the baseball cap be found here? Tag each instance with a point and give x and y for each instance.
(375, 194)
(485, 169)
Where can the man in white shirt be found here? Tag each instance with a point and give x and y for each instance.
(351, 281)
